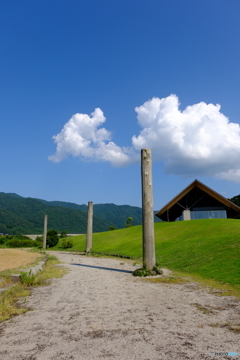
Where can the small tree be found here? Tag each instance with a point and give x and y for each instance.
(129, 222)
(111, 228)
(52, 238)
(63, 234)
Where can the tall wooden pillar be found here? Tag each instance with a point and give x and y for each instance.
(149, 258)
(89, 227)
(45, 231)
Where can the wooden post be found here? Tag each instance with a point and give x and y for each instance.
(45, 232)
(149, 259)
(89, 227)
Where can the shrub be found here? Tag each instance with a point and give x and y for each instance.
(63, 234)
(27, 279)
(39, 241)
(144, 272)
(19, 237)
(14, 243)
(67, 243)
(52, 238)
(2, 240)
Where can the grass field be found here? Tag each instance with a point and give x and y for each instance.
(206, 248)
(13, 258)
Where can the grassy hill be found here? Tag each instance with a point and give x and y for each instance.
(208, 248)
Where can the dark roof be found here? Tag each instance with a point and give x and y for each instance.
(200, 195)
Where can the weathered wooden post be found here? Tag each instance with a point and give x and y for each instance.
(89, 227)
(45, 232)
(149, 259)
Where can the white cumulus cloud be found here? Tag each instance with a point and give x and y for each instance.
(199, 140)
(82, 137)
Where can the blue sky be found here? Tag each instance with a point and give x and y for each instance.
(151, 68)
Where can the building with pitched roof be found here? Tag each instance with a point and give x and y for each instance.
(198, 201)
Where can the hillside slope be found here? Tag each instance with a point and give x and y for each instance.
(116, 214)
(209, 248)
(20, 215)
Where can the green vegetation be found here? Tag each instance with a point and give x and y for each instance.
(116, 214)
(206, 248)
(235, 200)
(63, 234)
(142, 272)
(9, 297)
(129, 222)
(20, 215)
(166, 280)
(17, 241)
(122, 242)
(52, 238)
(8, 300)
(209, 248)
(67, 243)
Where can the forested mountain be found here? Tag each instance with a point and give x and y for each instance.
(117, 214)
(19, 215)
(70, 205)
(235, 200)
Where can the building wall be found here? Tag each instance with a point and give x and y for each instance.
(186, 215)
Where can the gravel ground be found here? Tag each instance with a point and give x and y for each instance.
(96, 313)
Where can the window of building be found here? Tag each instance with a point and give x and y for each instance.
(210, 214)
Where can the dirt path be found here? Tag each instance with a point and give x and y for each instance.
(93, 313)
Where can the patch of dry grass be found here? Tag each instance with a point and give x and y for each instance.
(215, 287)
(4, 281)
(50, 271)
(14, 258)
(8, 301)
(204, 309)
(166, 280)
(229, 326)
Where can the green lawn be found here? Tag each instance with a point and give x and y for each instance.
(208, 248)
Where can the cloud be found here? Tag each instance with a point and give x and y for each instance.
(198, 141)
(82, 137)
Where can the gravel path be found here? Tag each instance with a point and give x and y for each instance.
(94, 313)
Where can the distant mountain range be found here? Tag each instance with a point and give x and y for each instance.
(20, 215)
(235, 200)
